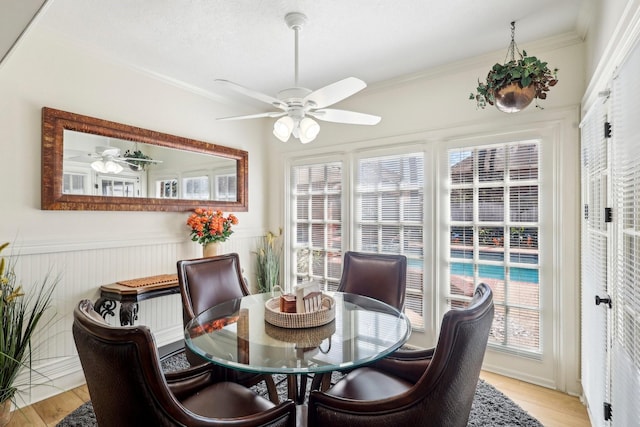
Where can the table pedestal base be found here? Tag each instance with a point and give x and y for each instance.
(297, 388)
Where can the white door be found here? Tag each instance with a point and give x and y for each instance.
(596, 249)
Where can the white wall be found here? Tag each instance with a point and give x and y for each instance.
(608, 42)
(606, 22)
(90, 249)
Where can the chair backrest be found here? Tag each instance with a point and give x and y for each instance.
(449, 383)
(206, 282)
(379, 276)
(123, 373)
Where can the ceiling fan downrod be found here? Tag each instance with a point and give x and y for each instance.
(295, 21)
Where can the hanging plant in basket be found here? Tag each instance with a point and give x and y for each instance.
(513, 85)
(137, 160)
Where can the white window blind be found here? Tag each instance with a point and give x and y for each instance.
(626, 275)
(74, 183)
(196, 188)
(167, 188)
(494, 233)
(389, 218)
(316, 192)
(594, 261)
(226, 187)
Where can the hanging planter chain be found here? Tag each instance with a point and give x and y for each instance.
(513, 47)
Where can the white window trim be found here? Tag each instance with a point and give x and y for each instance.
(558, 130)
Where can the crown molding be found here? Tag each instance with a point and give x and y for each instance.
(542, 45)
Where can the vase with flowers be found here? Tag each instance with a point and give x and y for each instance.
(210, 228)
(20, 315)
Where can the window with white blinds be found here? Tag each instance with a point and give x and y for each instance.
(389, 201)
(494, 233)
(196, 188)
(316, 191)
(226, 187)
(626, 270)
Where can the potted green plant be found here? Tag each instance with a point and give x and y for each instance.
(513, 85)
(137, 165)
(20, 315)
(268, 255)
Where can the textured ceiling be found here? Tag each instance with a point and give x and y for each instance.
(247, 41)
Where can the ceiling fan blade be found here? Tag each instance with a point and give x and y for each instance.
(252, 93)
(86, 157)
(344, 116)
(334, 92)
(137, 159)
(255, 116)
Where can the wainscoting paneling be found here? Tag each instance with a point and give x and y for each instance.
(82, 269)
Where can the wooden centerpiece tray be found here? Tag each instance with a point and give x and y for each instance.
(324, 315)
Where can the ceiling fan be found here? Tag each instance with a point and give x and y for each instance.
(110, 160)
(299, 104)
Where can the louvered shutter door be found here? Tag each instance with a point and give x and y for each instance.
(626, 305)
(595, 241)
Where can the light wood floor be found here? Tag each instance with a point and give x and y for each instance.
(552, 408)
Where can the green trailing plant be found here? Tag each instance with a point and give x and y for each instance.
(20, 315)
(268, 258)
(526, 71)
(131, 157)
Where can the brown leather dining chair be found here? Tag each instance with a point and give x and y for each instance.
(379, 276)
(128, 388)
(204, 283)
(432, 387)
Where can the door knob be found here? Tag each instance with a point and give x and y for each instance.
(605, 300)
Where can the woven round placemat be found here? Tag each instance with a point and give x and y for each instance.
(326, 314)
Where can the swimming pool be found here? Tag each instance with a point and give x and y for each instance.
(517, 274)
(514, 256)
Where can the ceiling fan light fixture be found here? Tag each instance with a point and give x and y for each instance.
(283, 127)
(309, 129)
(99, 166)
(112, 167)
(106, 167)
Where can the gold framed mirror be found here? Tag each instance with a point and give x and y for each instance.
(94, 164)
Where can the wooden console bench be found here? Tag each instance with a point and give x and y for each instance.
(130, 292)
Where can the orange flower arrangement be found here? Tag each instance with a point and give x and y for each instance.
(208, 226)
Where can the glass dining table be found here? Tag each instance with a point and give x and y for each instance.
(236, 335)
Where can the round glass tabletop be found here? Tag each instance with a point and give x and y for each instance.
(235, 334)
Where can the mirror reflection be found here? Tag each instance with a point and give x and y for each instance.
(102, 166)
(95, 164)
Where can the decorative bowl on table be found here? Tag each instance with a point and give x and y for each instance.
(324, 315)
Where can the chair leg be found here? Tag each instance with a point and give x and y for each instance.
(271, 389)
(326, 382)
(321, 381)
